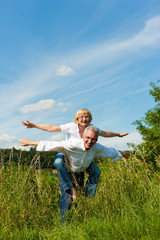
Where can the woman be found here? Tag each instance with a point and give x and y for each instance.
(74, 129)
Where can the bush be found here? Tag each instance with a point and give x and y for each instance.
(149, 128)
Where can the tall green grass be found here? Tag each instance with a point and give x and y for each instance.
(126, 205)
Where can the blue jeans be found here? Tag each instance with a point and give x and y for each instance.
(66, 182)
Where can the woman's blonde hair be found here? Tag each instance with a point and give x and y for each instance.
(80, 112)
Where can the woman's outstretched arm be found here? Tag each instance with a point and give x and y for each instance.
(45, 127)
(112, 134)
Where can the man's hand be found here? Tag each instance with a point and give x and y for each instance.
(28, 124)
(24, 142)
(125, 154)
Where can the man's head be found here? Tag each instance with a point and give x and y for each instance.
(90, 136)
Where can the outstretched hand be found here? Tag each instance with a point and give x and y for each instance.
(125, 154)
(24, 142)
(123, 134)
(28, 124)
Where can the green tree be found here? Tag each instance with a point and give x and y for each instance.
(149, 128)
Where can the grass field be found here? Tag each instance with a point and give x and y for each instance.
(126, 205)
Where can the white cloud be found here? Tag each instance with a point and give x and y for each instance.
(107, 52)
(7, 141)
(57, 137)
(138, 91)
(44, 105)
(6, 138)
(149, 36)
(64, 71)
(91, 89)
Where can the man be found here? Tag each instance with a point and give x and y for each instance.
(78, 158)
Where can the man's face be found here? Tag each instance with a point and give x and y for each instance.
(89, 139)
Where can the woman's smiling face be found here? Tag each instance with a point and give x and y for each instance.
(83, 120)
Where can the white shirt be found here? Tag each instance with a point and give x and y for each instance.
(79, 157)
(72, 130)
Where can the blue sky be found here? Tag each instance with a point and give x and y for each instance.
(60, 56)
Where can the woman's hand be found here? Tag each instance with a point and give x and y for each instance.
(28, 124)
(123, 134)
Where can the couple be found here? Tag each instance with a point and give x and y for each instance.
(76, 155)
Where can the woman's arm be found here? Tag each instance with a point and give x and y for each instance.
(112, 134)
(45, 127)
(26, 142)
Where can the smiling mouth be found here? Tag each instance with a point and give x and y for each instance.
(89, 144)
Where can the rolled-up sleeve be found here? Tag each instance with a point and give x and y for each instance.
(118, 157)
(113, 154)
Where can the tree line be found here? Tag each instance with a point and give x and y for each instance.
(26, 157)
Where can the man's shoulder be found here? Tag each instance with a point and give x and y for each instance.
(98, 145)
(76, 143)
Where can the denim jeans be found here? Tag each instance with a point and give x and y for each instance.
(66, 182)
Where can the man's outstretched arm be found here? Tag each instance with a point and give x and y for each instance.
(48, 145)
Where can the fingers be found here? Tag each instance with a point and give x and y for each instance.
(126, 154)
(73, 192)
(27, 124)
(123, 134)
(21, 141)
(24, 142)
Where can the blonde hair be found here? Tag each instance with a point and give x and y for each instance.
(80, 112)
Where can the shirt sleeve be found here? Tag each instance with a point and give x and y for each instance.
(68, 145)
(102, 151)
(67, 127)
(53, 145)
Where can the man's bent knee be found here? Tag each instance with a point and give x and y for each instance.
(59, 161)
